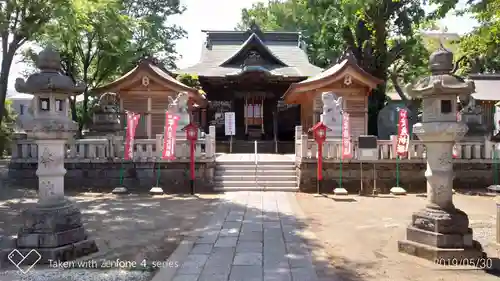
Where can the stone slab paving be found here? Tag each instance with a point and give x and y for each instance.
(254, 236)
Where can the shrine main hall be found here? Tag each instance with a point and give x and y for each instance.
(267, 80)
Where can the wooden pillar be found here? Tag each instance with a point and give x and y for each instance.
(148, 118)
(246, 114)
(203, 120)
(262, 114)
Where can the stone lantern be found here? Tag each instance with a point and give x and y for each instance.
(53, 227)
(106, 117)
(440, 230)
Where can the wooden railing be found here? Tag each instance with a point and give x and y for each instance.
(306, 148)
(112, 148)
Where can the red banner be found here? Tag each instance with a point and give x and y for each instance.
(346, 136)
(132, 121)
(403, 138)
(169, 137)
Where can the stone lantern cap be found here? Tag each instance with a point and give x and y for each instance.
(49, 78)
(441, 80)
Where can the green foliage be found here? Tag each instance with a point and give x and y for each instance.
(191, 81)
(7, 128)
(480, 47)
(99, 40)
(382, 34)
(21, 21)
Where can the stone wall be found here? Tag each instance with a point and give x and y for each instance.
(138, 177)
(467, 175)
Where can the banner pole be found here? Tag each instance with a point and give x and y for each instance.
(495, 166)
(158, 169)
(397, 170)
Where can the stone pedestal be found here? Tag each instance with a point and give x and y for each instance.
(54, 229)
(54, 226)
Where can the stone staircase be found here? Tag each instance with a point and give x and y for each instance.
(246, 176)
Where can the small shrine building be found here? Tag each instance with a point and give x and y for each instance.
(146, 90)
(346, 79)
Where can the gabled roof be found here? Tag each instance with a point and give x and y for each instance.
(253, 42)
(347, 65)
(487, 86)
(282, 51)
(155, 72)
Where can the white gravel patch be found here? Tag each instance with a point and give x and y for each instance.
(76, 275)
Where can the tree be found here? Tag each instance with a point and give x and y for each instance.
(378, 32)
(20, 21)
(94, 55)
(151, 34)
(7, 128)
(480, 46)
(323, 46)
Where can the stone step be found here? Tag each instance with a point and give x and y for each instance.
(253, 167)
(253, 183)
(250, 172)
(247, 188)
(252, 163)
(259, 177)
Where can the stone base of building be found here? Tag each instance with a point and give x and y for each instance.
(468, 175)
(442, 236)
(138, 177)
(52, 231)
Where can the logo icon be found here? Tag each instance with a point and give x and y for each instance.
(17, 259)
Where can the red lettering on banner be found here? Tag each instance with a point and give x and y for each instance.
(132, 121)
(403, 138)
(169, 137)
(346, 137)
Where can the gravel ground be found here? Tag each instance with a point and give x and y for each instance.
(75, 275)
(360, 236)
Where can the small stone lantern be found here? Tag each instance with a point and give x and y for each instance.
(53, 227)
(440, 231)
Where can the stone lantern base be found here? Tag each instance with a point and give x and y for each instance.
(55, 230)
(442, 236)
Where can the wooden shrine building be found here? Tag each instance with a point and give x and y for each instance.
(247, 72)
(146, 90)
(345, 79)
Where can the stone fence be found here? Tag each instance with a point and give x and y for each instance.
(98, 164)
(112, 149)
(474, 166)
(306, 150)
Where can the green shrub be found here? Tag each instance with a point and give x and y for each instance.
(7, 129)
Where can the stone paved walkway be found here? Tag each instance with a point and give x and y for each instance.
(252, 237)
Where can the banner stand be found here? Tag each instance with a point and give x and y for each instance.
(132, 120)
(340, 190)
(495, 186)
(402, 120)
(121, 189)
(157, 190)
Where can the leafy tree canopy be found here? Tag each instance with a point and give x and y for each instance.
(382, 34)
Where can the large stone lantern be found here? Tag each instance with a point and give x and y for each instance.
(53, 227)
(440, 230)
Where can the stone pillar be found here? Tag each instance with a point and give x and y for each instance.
(50, 172)
(440, 175)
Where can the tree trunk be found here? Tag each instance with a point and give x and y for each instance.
(7, 59)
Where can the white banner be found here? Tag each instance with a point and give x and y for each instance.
(229, 123)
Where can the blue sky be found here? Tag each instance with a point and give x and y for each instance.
(224, 15)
